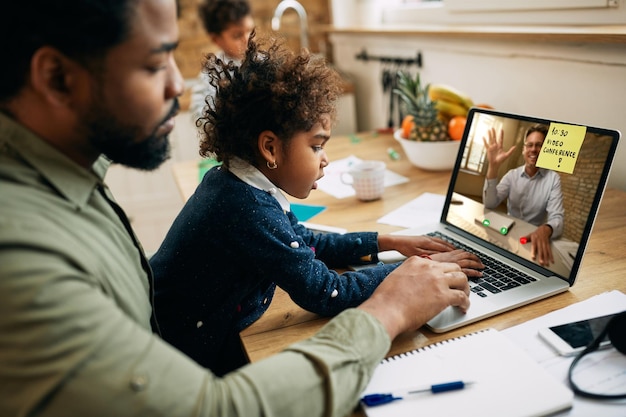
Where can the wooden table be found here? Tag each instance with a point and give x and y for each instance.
(603, 268)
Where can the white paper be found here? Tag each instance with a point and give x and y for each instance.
(604, 371)
(424, 210)
(331, 182)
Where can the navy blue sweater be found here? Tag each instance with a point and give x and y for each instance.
(217, 269)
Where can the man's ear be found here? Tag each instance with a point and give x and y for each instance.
(269, 146)
(53, 76)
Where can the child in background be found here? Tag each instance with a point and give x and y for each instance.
(236, 238)
(228, 24)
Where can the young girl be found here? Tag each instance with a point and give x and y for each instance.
(236, 238)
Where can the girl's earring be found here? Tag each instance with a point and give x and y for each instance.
(273, 165)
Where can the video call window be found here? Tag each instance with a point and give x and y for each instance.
(581, 171)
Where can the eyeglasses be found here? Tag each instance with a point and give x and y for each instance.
(533, 145)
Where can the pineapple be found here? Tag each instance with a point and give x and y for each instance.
(428, 127)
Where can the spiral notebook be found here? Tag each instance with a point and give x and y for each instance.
(505, 381)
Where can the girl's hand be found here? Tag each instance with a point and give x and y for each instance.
(413, 245)
(470, 264)
(435, 248)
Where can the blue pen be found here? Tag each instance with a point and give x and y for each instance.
(380, 399)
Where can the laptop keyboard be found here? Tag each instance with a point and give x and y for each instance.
(497, 276)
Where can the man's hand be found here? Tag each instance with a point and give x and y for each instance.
(415, 292)
(540, 250)
(495, 153)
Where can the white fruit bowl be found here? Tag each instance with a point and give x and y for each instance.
(431, 156)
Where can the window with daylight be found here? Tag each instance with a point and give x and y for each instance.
(474, 155)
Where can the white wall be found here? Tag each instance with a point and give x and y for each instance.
(505, 12)
(577, 83)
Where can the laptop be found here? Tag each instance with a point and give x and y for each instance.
(581, 155)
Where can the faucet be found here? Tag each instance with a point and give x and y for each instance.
(292, 4)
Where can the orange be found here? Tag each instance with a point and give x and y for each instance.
(456, 126)
(484, 106)
(407, 126)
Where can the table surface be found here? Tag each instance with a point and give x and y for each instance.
(285, 323)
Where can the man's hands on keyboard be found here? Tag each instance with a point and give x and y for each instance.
(496, 276)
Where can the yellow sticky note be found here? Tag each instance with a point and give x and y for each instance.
(561, 147)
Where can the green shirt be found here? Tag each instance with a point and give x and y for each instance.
(75, 333)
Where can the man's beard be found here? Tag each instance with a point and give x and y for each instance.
(119, 143)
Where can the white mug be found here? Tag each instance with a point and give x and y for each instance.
(367, 178)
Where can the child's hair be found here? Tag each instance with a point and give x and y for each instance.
(216, 15)
(273, 89)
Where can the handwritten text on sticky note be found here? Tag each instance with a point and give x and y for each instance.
(561, 147)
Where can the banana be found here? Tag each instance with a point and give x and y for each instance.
(450, 94)
(450, 109)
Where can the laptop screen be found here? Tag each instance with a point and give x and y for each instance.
(516, 173)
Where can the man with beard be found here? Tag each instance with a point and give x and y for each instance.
(533, 194)
(84, 83)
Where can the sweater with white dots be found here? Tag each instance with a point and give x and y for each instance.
(218, 267)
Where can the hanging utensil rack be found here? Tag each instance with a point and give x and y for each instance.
(364, 56)
(389, 78)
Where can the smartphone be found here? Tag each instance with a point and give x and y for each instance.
(571, 338)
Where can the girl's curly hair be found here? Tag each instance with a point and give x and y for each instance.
(273, 89)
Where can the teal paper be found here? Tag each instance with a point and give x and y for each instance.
(304, 212)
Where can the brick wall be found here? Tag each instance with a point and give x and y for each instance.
(579, 189)
(194, 43)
